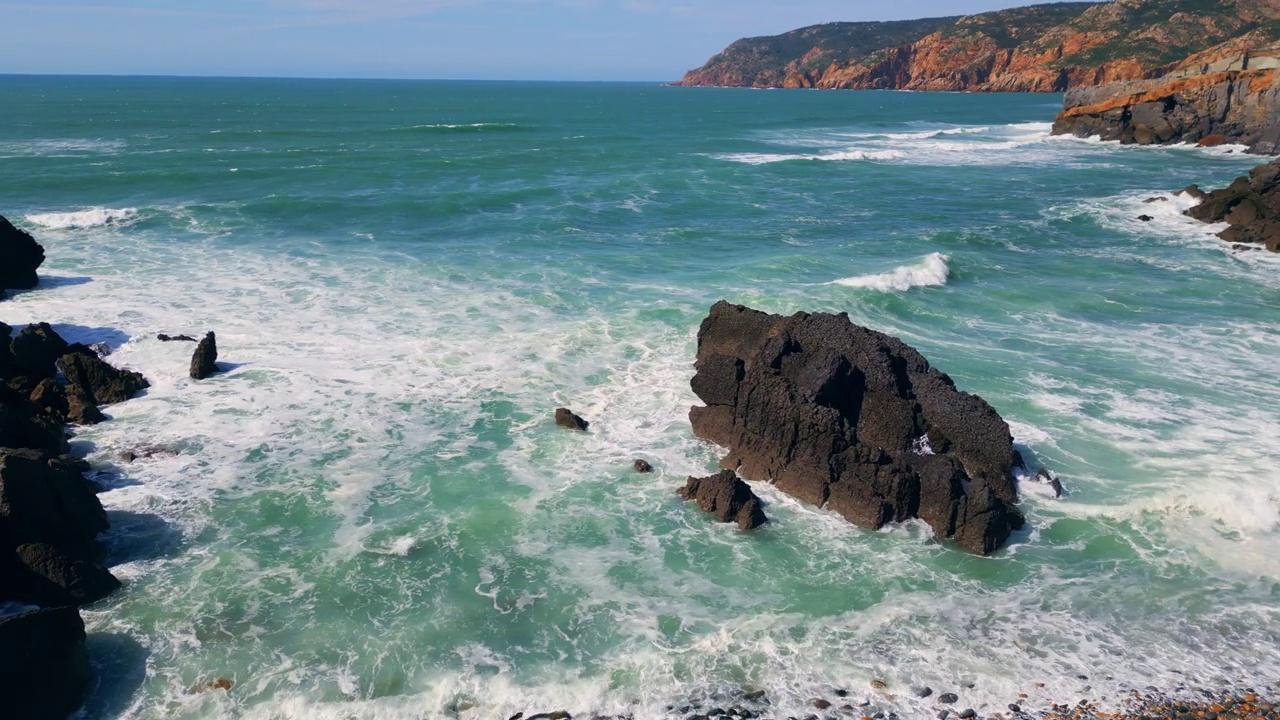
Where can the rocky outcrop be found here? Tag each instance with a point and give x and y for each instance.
(854, 420)
(47, 500)
(566, 418)
(1041, 48)
(204, 361)
(727, 497)
(1237, 106)
(44, 667)
(20, 256)
(1250, 206)
(96, 381)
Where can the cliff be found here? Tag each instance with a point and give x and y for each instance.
(1229, 94)
(1041, 48)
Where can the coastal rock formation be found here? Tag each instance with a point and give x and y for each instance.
(204, 361)
(44, 668)
(1250, 206)
(47, 500)
(34, 350)
(56, 579)
(1237, 106)
(854, 420)
(1041, 48)
(96, 381)
(727, 497)
(565, 418)
(20, 255)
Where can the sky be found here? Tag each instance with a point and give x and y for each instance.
(435, 39)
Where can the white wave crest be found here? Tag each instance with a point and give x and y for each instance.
(92, 217)
(929, 271)
(765, 158)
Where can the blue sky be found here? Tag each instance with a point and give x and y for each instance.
(462, 39)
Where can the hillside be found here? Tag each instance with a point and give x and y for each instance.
(1040, 48)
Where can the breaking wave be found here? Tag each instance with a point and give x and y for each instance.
(929, 271)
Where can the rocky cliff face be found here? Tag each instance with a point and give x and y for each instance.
(1241, 105)
(1042, 48)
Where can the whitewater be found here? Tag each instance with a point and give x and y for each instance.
(372, 514)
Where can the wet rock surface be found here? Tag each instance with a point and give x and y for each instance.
(851, 419)
(44, 667)
(20, 256)
(727, 497)
(1249, 205)
(566, 418)
(204, 361)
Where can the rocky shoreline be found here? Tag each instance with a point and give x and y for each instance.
(50, 515)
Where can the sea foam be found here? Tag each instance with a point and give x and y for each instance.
(929, 271)
(79, 219)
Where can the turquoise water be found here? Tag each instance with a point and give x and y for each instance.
(372, 515)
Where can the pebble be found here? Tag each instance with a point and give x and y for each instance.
(948, 698)
(967, 714)
(924, 692)
(821, 704)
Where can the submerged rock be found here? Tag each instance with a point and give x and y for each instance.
(44, 668)
(20, 256)
(204, 360)
(727, 497)
(175, 338)
(642, 466)
(565, 418)
(851, 419)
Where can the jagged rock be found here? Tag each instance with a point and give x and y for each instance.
(20, 255)
(50, 397)
(1240, 106)
(204, 360)
(97, 381)
(44, 668)
(1250, 205)
(35, 349)
(45, 499)
(23, 424)
(81, 410)
(854, 420)
(57, 579)
(727, 497)
(642, 466)
(566, 419)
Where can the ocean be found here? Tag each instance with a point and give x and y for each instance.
(371, 514)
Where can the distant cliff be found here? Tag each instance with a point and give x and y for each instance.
(1041, 48)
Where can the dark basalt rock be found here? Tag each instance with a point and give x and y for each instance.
(566, 419)
(642, 466)
(1250, 205)
(175, 338)
(204, 360)
(848, 418)
(44, 668)
(20, 255)
(47, 500)
(34, 351)
(56, 579)
(23, 424)
(726, 496)
(98, 382)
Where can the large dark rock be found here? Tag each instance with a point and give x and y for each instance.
(44, 668)
(848, 418)
(35, 349)
(24, 424)
(46, 499)
(20, 255)
(204, 361)
(54, 578)
(727, 497)
(96, 380)
(566, 418)
(1249, 205)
